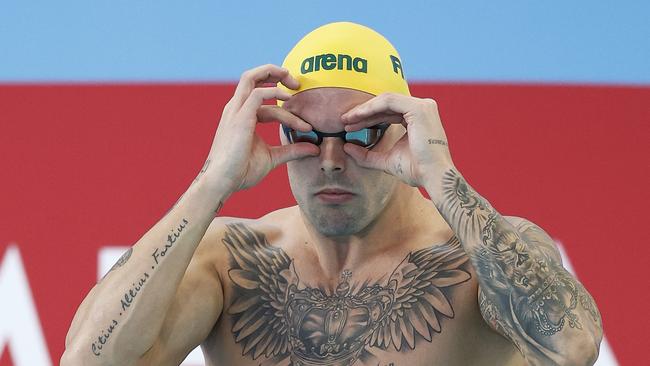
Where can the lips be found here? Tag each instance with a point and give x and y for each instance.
(334, 195)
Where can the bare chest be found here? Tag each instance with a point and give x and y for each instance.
(422, 311)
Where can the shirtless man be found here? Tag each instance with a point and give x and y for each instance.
(364, 270)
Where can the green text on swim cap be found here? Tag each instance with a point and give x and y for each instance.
(330, 61)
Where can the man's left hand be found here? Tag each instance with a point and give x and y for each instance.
(420, 155)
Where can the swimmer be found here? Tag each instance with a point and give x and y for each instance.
(364, 270)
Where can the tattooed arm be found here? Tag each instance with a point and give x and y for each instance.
(524, 292)
(143, 301)
(161, 299)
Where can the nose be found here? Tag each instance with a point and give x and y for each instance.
(332, 156)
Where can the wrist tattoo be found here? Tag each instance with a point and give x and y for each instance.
(437, 142)
(203, 170)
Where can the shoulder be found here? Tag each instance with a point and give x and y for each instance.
(272, 225)
(275, 221)
(535, 235)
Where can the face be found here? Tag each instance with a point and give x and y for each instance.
(336, 195)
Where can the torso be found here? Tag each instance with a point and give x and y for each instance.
(416, 305)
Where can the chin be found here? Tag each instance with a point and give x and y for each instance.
(330, 221)
(344, 229)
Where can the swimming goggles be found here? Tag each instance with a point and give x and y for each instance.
(366, 137)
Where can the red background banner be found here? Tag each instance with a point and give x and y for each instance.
(87, 166)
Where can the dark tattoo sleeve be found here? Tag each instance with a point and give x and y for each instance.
(525, 293)
(276, 317)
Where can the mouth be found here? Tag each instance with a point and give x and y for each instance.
(334, 195)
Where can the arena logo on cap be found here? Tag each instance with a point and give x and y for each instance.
(330, 61)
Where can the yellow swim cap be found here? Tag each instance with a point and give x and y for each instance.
(346, 55)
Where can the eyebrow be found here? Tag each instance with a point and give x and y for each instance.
(302, 118)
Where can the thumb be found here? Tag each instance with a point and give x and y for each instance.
(366, 158)
(284, 153)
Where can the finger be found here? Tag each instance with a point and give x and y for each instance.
(367, 158)
(387, 103)
(260, 75)
(285, 153)
(378, 119)
(250, 78)
(259, 95)
(268, 113)
(289, 81)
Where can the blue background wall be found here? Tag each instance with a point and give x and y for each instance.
(503, 41)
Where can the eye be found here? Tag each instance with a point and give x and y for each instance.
(361, 137)
(299, 136)
(367, 137)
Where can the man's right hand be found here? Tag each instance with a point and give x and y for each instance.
(239, 157)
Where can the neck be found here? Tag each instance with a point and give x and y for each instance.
(406, 214)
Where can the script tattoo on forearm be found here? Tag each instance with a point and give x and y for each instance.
(526, 294)
(129, 295)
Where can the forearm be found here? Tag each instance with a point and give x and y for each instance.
(122, 316)
(526, 294)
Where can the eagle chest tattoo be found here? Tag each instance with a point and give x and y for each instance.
(275, 316)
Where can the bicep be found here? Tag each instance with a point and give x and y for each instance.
(546, 314)
(195, 309)
(533, 235)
